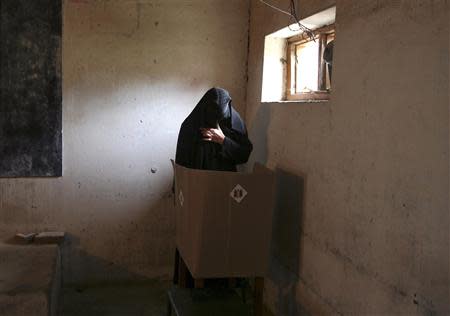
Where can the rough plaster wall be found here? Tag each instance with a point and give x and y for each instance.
(371, 235)
(132, 71)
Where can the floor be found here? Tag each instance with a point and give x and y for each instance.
(149, 299)
(146, 299)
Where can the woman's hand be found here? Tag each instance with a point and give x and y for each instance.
(213, 135)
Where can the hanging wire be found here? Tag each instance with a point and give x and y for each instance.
(292, 13)
(278, 9)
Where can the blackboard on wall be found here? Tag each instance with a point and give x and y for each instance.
(30, 88)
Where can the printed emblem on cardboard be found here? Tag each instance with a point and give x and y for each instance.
(181, 198)
(238, 193)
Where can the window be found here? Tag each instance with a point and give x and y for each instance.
(293, 65)
(308, 75)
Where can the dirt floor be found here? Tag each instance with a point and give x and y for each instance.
(144, 299)
(147, 299)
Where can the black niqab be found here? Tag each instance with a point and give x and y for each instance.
(213, 109)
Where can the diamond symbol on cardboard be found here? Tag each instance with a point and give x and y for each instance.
(181, 198)
(238, 193)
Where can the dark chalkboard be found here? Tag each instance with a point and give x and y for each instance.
(30, 88)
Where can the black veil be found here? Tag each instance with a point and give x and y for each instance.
(215, 108)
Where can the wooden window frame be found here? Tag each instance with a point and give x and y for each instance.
(321, 35)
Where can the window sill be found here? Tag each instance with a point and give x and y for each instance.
(295, 101)
(310, 96)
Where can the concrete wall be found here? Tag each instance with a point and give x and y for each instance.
(132, 71)
(362, 226)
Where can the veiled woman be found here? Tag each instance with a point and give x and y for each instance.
(213, 136)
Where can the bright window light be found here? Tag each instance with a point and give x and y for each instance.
(307, 56)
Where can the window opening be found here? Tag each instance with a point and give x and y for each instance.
(308, 72)
(298, 64)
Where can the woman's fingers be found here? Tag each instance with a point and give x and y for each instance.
(212, 134)
(207, 131)
(206, 134)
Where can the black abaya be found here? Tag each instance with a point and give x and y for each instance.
(213, 109)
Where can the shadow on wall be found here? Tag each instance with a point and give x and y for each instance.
(258, 135)
(286, 252)
(79, 263)
(150, 245)
(287, 220)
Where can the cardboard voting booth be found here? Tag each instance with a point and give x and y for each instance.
(224, 221)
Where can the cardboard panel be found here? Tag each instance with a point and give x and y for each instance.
(224, 221)
(215, 228)
(250, 233)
